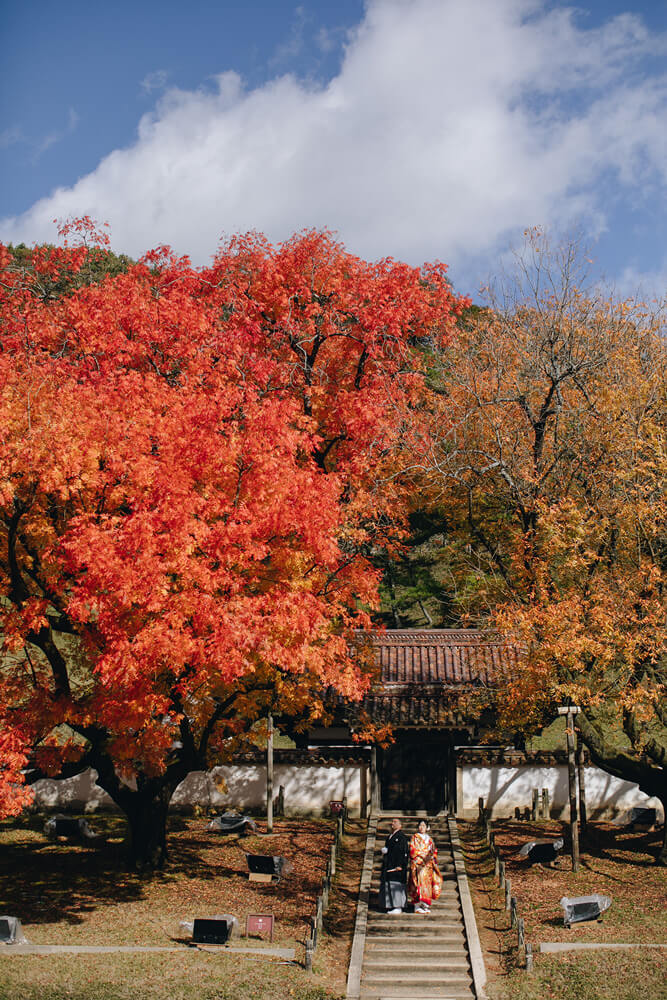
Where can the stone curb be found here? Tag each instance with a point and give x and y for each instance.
(359, 939)
(92, 949)
(557, 946)
(474, 945)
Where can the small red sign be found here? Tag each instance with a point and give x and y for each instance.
(259, 923)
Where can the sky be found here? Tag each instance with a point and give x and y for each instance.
(416, 129)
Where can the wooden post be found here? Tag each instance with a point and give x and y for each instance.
(375, 791)
(513, 911)
(332, 862)
(480, 806)
(496, 865)
(508, 894)
(569, 712)
(501, 874)
(309, 955)
(269, 775)
(535, 805)
(520, 932)
(546, 809)
(582, 781)
(529, 957)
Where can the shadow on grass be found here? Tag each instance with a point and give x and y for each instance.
(53, 882)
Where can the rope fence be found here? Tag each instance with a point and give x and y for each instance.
(540, 808)
(322, 901)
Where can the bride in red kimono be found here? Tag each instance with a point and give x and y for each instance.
(424, 879)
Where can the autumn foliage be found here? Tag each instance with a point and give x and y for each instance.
(549, 453)
(194, 464)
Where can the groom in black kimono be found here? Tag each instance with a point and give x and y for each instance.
(394, 869)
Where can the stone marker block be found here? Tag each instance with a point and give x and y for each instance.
(69, 827)
(232, 823)
(274, 866)
(11, 931)
(540, 852)
(577, 909)
(209, 930)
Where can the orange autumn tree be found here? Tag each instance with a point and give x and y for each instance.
(550, 459)
(191, 474)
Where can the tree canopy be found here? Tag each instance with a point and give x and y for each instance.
(549, 455)
(194, 464)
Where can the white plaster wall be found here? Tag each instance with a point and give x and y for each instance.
(504, 788)
(307, 789)
(78, 793)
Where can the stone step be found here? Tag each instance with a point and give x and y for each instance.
(449, 890)
(439, 836)
(423, 933)
(428, 963)
(436, 918)
(383, 934)
(448, 895)
(416, 922)
(446, 865)
(448, 911)
(417, 980)
(433, 931)
(426, 949)
(448, 876)
(449, 887)
(410, 826)
(401, 922)
(442, 840)
(402, 992)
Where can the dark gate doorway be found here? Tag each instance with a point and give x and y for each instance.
(414, 772)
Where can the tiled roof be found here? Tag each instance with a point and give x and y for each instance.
(508, 757)
(423, 672)
(429, 708)
(450, 657)
(322, 757)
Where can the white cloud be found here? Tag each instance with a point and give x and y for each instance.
(646, 286)
(57, 135)
(157, 80)
(11, 137)
(450, 123)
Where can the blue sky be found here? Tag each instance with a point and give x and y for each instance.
(419, 129)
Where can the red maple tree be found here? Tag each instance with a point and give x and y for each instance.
(194, 464)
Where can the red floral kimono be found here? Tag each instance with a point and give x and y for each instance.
(424, 878)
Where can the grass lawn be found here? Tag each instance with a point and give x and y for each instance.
(66, 894)
(613, 862)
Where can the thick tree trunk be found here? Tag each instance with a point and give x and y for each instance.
(145, 807)
(147, 822)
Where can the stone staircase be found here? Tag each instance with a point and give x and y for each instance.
(413, 956)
